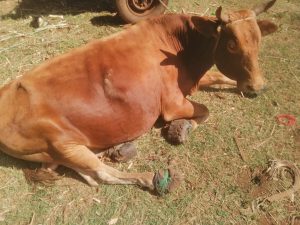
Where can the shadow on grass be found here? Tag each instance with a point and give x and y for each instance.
(11, 162)
(232, 91)
(106, 20)
(220, 90)
(59, 7)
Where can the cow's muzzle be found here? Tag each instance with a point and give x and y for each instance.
(252, 89)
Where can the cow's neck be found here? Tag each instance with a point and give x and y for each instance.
(195, 52)
(199, 54)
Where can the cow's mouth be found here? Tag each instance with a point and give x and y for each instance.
(250, 94)
(250, 89)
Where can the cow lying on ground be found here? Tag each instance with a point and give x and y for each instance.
(111, 91)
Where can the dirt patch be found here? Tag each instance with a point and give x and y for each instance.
(262, 183)
(244, 179)
(278, 183)
(254, 182)
(268, 220)
(265, 220)
(295, 220)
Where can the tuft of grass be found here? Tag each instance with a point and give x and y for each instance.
(217, 187)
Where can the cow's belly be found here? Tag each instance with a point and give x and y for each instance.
(114, 112)
(107, 124)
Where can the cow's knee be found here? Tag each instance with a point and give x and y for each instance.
(215, 78)
(186, 109)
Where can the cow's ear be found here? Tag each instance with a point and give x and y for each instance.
(204, 26)
(266, 27)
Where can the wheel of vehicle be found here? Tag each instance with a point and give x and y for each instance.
(132, 11)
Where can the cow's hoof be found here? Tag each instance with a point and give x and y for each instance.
(123, 152)
(166, 181)
(178, 131)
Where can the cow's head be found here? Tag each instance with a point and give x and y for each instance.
(236, 54)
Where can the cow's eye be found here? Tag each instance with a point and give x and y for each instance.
(231, 46)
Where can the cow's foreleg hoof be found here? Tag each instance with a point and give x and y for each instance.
(178, 131)
(123, 152)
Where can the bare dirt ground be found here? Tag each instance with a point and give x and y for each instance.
(222, 159)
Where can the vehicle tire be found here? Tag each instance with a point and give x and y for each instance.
(132, 11)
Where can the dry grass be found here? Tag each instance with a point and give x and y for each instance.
(217, 187)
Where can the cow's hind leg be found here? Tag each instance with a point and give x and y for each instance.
(87, 164)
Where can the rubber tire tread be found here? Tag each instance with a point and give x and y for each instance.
(128, 16)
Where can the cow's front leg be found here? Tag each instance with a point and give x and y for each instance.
(185, 116)
(212, 78)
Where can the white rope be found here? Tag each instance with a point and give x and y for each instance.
(241, 20)
(164, 5)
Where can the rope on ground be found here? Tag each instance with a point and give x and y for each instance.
(275, 167)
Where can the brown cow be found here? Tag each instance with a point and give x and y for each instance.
(111, 91)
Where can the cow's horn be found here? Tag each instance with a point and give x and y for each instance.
(263, 7)
(220, 16)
